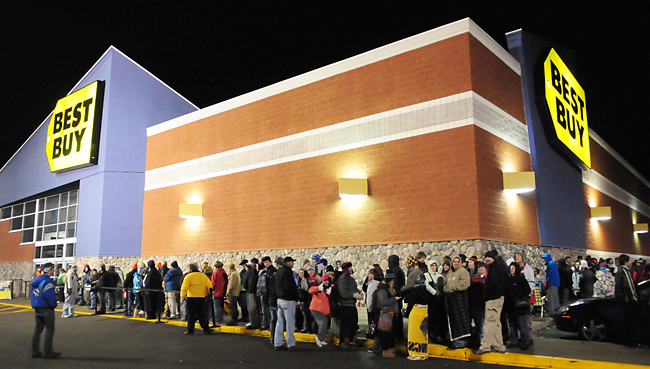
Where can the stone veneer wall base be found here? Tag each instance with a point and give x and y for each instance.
(362, 257)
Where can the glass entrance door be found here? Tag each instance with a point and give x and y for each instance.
(58, 252)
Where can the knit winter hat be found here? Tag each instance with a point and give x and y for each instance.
(411, 262)
(135, 266)
(174, 264)
(491, 254)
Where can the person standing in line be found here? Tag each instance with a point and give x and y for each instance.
(172, 284)
(587, 279)
(153, 281)
(254, 312)
(219, 282)
(552, 284)
(348, 292)
(43, 299)
(287, 294)
(459, 319)
(263, 291)
(242, 299)
(196, 286)
(400, 281)
(233, 293)
(625, 293)
(71, 290)
(130, 296)
(493, 294)
(273, 299)
(320, 308)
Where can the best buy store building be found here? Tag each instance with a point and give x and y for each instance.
(436, 135)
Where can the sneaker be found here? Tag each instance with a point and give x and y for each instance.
(65, 316)
(279, 348)
(481, 352)
(74, 315)
(37, 355)
(53, 355)
(344, 345)
(291, 348)
(320, 343)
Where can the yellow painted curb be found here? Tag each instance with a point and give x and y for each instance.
(434, 350)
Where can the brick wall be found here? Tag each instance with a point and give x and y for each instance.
(10, 249)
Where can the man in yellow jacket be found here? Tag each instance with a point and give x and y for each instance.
(195, 287)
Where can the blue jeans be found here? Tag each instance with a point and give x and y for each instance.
(130, 301)
(266, 312)
(218, 309)
(519, 324)
(273, 320)
(286, 315)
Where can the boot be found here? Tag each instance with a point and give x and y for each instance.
(136, 313)
(388, 353)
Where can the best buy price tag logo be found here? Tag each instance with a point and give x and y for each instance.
(73, 132)
(567, 106)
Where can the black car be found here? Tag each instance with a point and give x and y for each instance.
(602, 318)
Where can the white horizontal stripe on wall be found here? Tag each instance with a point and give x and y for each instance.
(609, 188)
(432, 116)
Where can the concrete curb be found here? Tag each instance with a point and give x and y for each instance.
(434, 350)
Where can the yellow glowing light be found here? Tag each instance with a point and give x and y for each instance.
(353, 187)
(601, 213)
(518, 182)
(190, 210)
(641, 228)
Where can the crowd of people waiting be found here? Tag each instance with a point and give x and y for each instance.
(462, 302)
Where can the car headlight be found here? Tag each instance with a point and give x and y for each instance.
(563, 309)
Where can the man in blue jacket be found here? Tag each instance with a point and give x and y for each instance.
(552, 284)
(173, 283)
(43, 300)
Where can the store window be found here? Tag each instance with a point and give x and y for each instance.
(46, 219)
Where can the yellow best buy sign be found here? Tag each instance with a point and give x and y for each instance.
(73, 132)
(567, 106)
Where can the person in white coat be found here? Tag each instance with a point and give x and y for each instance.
(71, 290)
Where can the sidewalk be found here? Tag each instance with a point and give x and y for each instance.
(546, 352)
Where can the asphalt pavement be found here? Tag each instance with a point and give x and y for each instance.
(110, 341)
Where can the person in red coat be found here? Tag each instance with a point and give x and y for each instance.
(219, 285)
(320, 307)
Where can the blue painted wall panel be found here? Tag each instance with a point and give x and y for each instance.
(111, 193)
(559, 192)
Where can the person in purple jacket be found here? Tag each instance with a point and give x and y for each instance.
(43, 300)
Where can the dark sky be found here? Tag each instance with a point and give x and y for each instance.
(210, 51)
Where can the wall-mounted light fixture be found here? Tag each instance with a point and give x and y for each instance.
(601, 213)
(190, 210)
(518, 182)
(641, 228)
(353, 187)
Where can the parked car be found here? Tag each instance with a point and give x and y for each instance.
(602, 318)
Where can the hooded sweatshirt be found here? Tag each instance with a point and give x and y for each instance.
(400, 279)
(552, 273)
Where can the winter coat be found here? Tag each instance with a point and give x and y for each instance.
(552, 273)
(234, 282)
(495, 280)
(320, 300)
(400, 279)
(219, 282)
(42, 293)
(173, 279)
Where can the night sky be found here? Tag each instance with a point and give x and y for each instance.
(210, 51)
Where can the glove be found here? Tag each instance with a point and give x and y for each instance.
(328, 291)
(320, 287)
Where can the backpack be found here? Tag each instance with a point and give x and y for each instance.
(261, 283)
